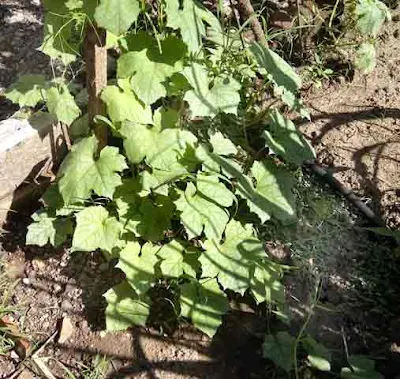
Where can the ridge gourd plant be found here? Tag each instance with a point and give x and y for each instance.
(180, 190)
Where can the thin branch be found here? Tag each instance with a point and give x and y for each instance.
(246, 11)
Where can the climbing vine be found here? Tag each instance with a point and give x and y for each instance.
(196, 159)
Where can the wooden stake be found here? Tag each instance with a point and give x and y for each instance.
(95, 54)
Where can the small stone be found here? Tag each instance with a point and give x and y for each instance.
(38, 264)
(14, 355)
(26, 281)
(66, 306)
(69, 288)
(26, 374)
(66, 331)
(57, 288)
(15, 268)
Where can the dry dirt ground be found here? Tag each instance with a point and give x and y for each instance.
(355, 129)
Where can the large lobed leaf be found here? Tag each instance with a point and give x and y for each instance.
(125, 308)
(95, 229)
(61, 103)
(232, 261)
(371, 15)
(279, 348)
(188, 17)
(148, 67)
(285, 140)
(178, 260)
(27, 91)
(122, 105)
(198, 213)
(81, 173)
(48, 229)
(204, 303)
(163, 150)
(139, 265)
(223, 96)
(144, 216)
(272, 195)
(117, 15)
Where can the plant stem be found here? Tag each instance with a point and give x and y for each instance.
(302, 330)
(246, 11)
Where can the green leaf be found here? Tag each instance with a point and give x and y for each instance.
(212, 189)
(169, 153)
(318, 355)
(166, 118)
(272, 196)
(204, 303)
(163, 151)
(394, 233)
(74, 4)
(151, 219)
(279, 71)
(279, 349)
(138, 140)
(117, 15)
(189, 18)
(215, 163)
(294, 103)
(80, 127)
(361, 368)
(285, 140)
(57, 39)
(148, 68)
(233, 260)
(371, 15)
(46, 229)
(146, 217)
(80, 173)
(61, 103)
(222, 145)
(27, 91)
(138, 263)
(204, 101)
(123, 105)
(156, 182)
(366, 57)
(176, 260)
(198, 212)
(124, 308)
(95, 229)
(265, 284)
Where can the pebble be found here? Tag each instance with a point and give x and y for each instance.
(57, 288)
(39, 264)
(66, 331)
(26, 281)
(69, 288)
(66, 306)
(15, 268)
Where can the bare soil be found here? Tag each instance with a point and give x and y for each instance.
(355, 129)
(56, 285)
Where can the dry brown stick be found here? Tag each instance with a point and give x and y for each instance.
(67, 138)
(96, 68)
(246, 11)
